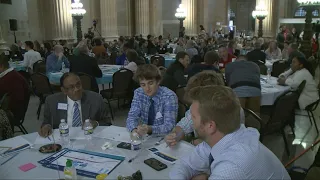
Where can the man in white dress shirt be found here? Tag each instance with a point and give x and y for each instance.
(230, 150)
(31, 56)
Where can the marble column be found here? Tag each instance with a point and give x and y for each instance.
(130, 17)
(56, 19)
(109, 24)
(203, 14)
(155, 17)
(191, 21)
(142, 17)
(271, 21)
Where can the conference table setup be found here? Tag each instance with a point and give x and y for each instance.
(270, 90)
(18, 65)
(107, 73)
(169, 59)
(97, 156)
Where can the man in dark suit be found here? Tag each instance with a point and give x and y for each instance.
(83, 63)
(74, 105)
(257, 55)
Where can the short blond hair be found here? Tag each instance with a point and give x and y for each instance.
(219, 104)
(204, 78)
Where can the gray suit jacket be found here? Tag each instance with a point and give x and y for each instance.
(92, 107)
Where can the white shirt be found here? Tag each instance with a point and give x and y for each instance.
(30, 58)
(71, 111)
(310, 91)
(132, 66)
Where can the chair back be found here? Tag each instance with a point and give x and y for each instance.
(122, 82)
(113, 57)
(180, 92)
(85, 81)
(157, 60)
(278, 68)
(283, 111)
(252, 119)
(162, 70)
(39, 67)
(301, 87)
(41, 84)
(263, 69)
(182, 109)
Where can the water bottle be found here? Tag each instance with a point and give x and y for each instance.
(64, 132)
(63, 67)
(88, 130)
(70, 171)
(135, 141)
(268, 73)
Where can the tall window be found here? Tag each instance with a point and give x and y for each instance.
(300, 12)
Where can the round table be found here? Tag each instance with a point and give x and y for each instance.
(107, 73)
(10, 169)
(270, 90)
(18, 66)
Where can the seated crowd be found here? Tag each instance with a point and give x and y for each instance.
(219, 83)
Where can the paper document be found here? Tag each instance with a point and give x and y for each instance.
(74, 133)
(171, 154)
(14, 142)
(115, 133)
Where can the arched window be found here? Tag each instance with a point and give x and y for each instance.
(300, 12)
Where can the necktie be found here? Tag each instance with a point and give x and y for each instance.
(76, 122)
(210, 162)
(151, 114)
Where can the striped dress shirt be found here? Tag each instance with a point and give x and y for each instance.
(238, 155)
(166, 109)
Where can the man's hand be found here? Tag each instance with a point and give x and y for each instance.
(143, 129)
(171, 139)
(200, 177)
(45, 130)
(282, 81)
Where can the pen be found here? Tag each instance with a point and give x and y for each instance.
(49, 138)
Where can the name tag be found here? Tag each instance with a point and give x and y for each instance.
(221, 64)
(62, 106)
(158, 115)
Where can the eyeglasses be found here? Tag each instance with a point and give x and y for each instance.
(78, 85)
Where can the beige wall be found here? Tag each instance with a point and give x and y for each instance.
(17, 10)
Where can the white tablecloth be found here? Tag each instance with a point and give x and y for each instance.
(10, 170)
(271, 90)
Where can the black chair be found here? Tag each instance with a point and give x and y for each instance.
(19, 122)
(253, 120)
(158, 61)
(278, 68)
(121, 87)
(39, 67)
(88, 82)
(113, 58)
(263, 69)
(41, 87)
(281, 114)
(310, 108)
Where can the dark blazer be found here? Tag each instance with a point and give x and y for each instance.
(256, 55)
(92, 107)
(174, 76)
(85, 64)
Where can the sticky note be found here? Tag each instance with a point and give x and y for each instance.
(27, 167)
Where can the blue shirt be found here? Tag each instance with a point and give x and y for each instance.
(166, 109)
(53, 63)
(121, 59)
(238, 155)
